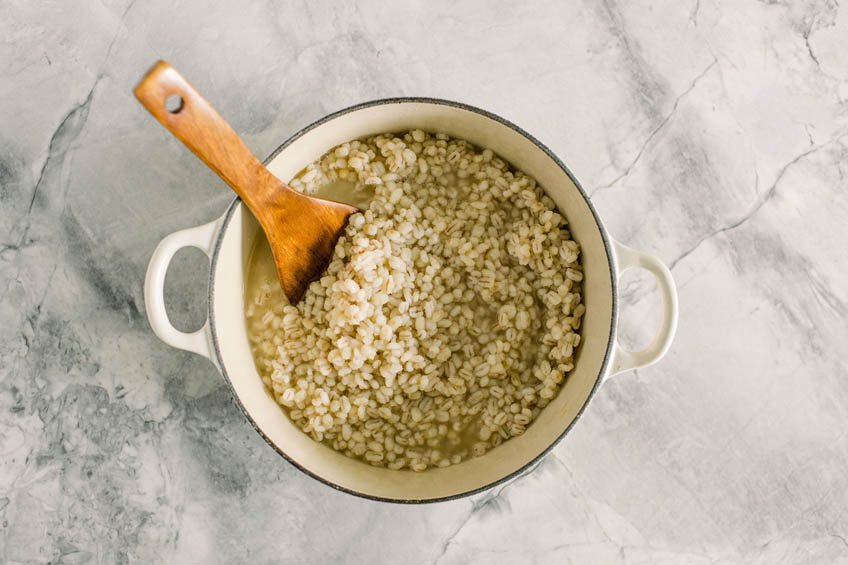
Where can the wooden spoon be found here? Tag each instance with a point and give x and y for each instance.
(302, 230)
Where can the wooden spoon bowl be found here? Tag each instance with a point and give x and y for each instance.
(301, 230)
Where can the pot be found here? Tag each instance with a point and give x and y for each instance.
(223, 338)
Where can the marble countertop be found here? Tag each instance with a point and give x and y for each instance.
(712, 133)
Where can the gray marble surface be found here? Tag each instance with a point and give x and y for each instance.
(713, 133)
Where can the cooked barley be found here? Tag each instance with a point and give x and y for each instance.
(448, 317)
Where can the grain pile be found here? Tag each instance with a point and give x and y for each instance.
(448, 317)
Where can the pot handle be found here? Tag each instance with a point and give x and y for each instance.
(201, 237)
(629, 258)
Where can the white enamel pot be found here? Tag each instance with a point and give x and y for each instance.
(223, 339)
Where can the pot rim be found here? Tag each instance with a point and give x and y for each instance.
(605, 364)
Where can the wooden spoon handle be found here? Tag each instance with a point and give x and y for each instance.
(196, 123)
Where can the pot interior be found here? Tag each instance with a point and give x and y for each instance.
(240, 231)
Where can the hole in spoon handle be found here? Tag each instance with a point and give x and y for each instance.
(174, 103)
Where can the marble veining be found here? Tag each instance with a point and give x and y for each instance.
(712, 133)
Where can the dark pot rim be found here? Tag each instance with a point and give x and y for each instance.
(613, 282)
